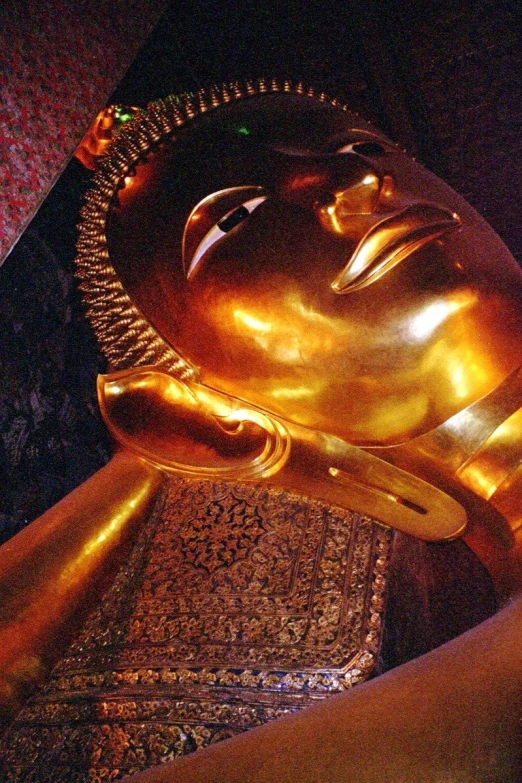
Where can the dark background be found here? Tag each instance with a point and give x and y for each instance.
(443, 79)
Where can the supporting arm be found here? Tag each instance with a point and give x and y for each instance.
(54, 569)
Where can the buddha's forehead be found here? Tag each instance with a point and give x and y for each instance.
(245, 142)
(228, 145)
(291, 122)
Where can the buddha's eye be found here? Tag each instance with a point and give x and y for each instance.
(212, 219)
(360, 142)
(370, 149)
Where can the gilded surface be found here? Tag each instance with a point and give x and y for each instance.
(237, 605)
(263, 242)
(195, 432)
(314, 284)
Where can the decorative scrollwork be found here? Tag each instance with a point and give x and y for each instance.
(238, 604)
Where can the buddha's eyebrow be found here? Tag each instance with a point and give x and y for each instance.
(358, 135)
(333, 143)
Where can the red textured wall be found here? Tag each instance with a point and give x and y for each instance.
(59, 61)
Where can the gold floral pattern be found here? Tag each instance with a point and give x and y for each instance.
(238, 604)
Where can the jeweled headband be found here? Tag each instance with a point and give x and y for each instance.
(124, 333)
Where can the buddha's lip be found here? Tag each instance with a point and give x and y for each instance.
(391, 240)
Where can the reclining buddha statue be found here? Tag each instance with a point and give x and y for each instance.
(312, 342)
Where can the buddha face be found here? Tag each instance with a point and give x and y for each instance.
(305, 264)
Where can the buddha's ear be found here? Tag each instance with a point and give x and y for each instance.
(190, 430)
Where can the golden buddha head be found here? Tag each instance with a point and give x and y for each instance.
(274, 246)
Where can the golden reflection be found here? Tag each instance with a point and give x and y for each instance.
(425, 323)
(387, 419)
(265, 327)
(294, 392)
(102, 133)
(496, 458)
(507, 501)
(478, 480)
(282, 339)
(459, 379)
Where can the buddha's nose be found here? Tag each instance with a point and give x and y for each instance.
(345, 183)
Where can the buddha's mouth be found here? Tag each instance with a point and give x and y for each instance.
(391, 240)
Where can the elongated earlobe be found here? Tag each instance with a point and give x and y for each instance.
(165, 421)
